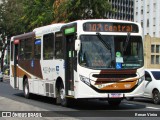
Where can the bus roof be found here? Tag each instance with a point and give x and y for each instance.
(58, 26)
(102, 20)
(22, 36)
(48, 28)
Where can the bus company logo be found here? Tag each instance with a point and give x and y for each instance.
(57, 68)
(48, 70)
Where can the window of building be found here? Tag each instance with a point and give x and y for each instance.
(147, 22)
(142, 24)
(154, 21)
(157, 59)
(141, 11)
(152, 48)
(147, 8)
(154, 5)
(152, 59)
(157, 48)
(48, 46)
(154, 34)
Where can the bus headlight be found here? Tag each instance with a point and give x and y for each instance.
(85, 80)
(140, 80)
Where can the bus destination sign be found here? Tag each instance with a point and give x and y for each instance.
(110, 27)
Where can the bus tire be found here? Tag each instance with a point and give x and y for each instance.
(26, 88)
(130, 98)
(114, 102)
(156, 97)
(61, 97)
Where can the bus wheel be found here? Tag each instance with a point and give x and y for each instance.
(156, 97)
(26, 89)
(61, 97)
(114, 102)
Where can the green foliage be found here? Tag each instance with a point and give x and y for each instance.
(70, 10)
(11, 12)
(19, 16)
(37, 13)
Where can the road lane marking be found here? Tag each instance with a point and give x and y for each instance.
(153, 108)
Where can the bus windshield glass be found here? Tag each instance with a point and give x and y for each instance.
(94, 54)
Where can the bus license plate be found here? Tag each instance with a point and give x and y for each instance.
(115, 95)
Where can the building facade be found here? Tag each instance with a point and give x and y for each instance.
(147, 13)
(124, 10)
(152, 52)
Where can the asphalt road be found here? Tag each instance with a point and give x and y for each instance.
(13, 100)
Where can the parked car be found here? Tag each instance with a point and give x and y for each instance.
(1, 76)
(152, 85)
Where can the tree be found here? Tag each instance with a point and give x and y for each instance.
(37, 13)
(10, 24)
(20, 16)
(70, 10)
(11, 12)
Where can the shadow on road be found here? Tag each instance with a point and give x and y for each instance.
(49, 103)
(89, 104)
(144, 100)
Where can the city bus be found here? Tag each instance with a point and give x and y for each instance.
(85, 59)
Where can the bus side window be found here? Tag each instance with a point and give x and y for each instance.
(28, 49)
(12, 51)
(59, 46)
(48, 46)
(37, 49)
(21, 49)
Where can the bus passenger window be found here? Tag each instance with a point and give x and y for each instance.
(59, 48)
(28, 49)
(48, 43)
(21, 49)
(37, 49)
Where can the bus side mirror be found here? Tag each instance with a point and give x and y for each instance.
(77, 44)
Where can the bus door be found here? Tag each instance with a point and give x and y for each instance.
(15, 65)
(70, 59)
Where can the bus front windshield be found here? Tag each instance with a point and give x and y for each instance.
(123, 52)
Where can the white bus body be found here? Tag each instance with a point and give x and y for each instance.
(64, 73)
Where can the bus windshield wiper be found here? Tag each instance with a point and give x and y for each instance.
(126, 42)
(107, 45)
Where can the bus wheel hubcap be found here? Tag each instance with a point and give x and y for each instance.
(62, 94)
(26, 89)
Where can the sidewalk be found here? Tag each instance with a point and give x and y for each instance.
(8, 106)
